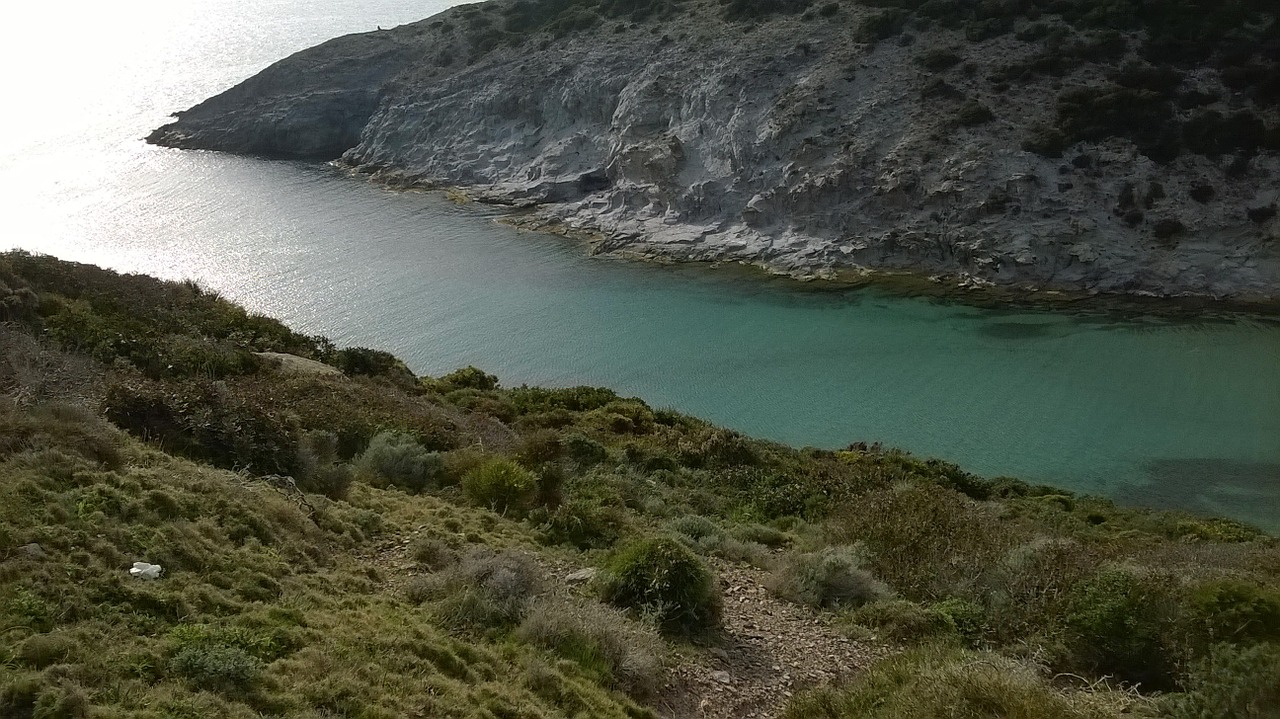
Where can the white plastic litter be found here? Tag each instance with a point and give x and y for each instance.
(142, 570)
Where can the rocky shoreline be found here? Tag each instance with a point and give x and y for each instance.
(834, 156)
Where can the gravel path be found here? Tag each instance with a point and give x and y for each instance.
(769, 650)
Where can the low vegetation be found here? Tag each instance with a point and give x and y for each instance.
(368, 543)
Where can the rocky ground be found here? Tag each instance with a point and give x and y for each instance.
(794, 143)
(767, 650)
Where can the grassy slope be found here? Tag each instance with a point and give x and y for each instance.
(274, 601)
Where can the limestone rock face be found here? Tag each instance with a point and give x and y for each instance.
(785, 144)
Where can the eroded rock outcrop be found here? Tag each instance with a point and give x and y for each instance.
(801, 143)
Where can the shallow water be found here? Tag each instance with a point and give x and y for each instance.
(1170, 414)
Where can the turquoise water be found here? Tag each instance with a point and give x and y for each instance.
(1183, 415)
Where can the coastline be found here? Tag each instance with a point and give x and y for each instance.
(961, 288)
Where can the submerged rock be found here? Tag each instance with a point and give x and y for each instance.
(794, 142)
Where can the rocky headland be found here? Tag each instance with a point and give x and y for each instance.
(1065, 144)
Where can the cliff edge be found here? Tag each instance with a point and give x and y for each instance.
(1062, 144)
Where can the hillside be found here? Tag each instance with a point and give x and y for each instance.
(341, 538)
(1082, 145)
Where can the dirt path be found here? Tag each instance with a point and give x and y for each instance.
(770, 649)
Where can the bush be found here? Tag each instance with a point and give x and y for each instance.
(584, 450)
(501, 485)
(659, 576)
(901, 620)
(432, 554)
(397, 460)
(41, 650)
(1230, 610)
(1231, 683)
(938, 59)
(585, 524)
(695, 527)
(538, 447)
(468, 378)
(925, 541)
(1116, 622)
(371, 363)
(833, 577)
(939, 681)
(211, 666)
(761, 534)
(318, 468)
(615, 652)
(486, 590)
(973, 113)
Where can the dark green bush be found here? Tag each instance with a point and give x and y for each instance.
(371, 363)
(585, 524)
(211, 666)
(938, 59)
(203, 420)
(1117, 622)
(1231, 683)
(468, 378)
(538, 447)
(973, 113)
(584, 450)
(901, 620)
(1236, 611)
(318, 468)
(659, 576)
(501, 485)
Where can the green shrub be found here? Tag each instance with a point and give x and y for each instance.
(41, 650)
(397, 460)
(940, 681)
(539, 447)
(970, 619)
(585, 524)
(1116, 624)
(1230, 610)
(501, 485)
(204, 420)
(371, 363)
(319, 470)
(468, 378)
(695, 527)
(761, 534)
(924, 541)
(615, 651)
(212, 666)
(1231, 683)
(584, 450)
(660, 577)
(901, 620)
(432, 554)
(833, 577)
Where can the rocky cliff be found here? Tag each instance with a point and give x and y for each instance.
(1042, 143)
